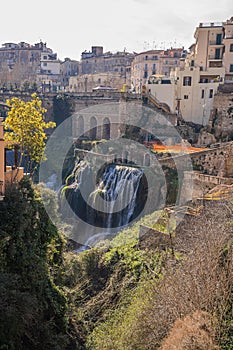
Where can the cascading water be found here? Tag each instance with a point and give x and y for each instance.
(117, 194)
(118, 197)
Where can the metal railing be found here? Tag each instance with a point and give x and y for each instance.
(1, 188)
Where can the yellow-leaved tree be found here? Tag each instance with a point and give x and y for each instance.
(26, 127)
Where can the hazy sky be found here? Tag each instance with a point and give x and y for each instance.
(72, 26)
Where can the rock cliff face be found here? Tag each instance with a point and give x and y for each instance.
(221, 121)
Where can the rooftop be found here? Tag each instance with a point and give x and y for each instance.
(210, 24)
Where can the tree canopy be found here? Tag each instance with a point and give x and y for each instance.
(26, 127)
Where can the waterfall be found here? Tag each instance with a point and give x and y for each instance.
(113, 202)
(107, 205)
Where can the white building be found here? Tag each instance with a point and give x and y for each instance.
(193, 85)
(152, 62)
(49, 77)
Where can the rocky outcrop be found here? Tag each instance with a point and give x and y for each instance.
(191, 333)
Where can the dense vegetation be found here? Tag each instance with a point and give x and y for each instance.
(32, 307)
(133, 295)
(136, 292)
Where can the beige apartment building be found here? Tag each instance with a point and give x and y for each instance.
(153, 62)
(228, 47)
(49, 78)
(192, 86)
(20, 62)
(89, 82)
(69, 68)
(99, 68)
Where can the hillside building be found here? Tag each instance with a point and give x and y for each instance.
(192, 86)
(19, 63)
(99, 68)
(154, 62)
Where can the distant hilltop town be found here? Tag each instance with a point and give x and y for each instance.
(185, 80)
(23, 66)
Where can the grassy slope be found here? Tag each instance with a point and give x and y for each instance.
(128, 296)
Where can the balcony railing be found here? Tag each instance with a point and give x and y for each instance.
(215, 43)
(211, 24)
(217, 58)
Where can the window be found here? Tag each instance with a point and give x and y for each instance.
(154, 66)
(192, 63)
(44, 57)
(231, 68)
(145, 74)
(211, 93)
(187, 81)
(218, 39)
(45, 64)
(146, 66)
(154, 58)
(186, 97)
(146, 58)
(217, 54)
(202, 93)
(231, 48)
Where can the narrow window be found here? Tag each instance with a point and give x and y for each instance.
(187, 81)
(218, 39)
(217, 54)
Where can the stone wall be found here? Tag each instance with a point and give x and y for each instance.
(215, 161)
(221, 122)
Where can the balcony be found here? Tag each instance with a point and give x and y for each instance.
(215, 64)
(13, 174)
(210, 79)
(215, 43)
(214, 58)
(228, 36)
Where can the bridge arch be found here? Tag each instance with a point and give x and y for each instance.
(93, 128)
(106, 129)
(80, 125)
(147, 160)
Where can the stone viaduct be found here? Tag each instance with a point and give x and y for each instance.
(216, 161)
(93, 126)
(213, 161)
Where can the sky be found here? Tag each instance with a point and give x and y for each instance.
(72, 26)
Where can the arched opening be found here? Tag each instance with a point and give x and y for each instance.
(106, 129)
(93, 128)
(147, 160)
(125, 157)
(80, 126)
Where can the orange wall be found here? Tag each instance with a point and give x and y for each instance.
(2, 155)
